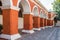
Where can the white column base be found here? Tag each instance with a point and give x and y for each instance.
(37, 29)
(46, 26)
(42, 27)
(28, 31)
(10, 37)
(50, 26)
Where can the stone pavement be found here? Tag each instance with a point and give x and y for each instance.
(44, 34)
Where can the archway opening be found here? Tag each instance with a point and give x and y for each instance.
(35, 11)
(24, 8)
(20, 11)
(0, 8)
(35, 16)
(0, 3)
(1, 22)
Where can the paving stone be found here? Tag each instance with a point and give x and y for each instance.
(38, 35)
(44, 34)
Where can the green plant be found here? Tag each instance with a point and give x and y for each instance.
(56, 7)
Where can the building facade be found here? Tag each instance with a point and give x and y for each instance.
(34, 14)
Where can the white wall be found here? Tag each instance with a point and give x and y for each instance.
(20, 23)
(1, 19)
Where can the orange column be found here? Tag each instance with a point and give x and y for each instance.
(46, 23)
(36, 23)
(42, 23)
(49, 23)
(10, 24)
(28, 23)
(52, 22)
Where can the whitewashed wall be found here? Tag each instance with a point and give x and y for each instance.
(1, 19)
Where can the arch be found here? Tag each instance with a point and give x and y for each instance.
(26, 6)
(20, 11)
(45, 15)
(35, 11)
(6, 2)
(41, 14)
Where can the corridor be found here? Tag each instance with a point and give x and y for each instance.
(44, 34)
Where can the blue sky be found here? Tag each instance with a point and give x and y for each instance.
(47, 4)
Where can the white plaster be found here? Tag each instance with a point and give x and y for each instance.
(50, 26)
(12, 7)
(46, 26)
(1, 19)
(42, 27)
(20, 23)
(10, 37)
(25, 4)
(27, 13)
(35, 11)
(41, 14)
(6, 2)
(11, 2)
(38, 29)
(28, 31)
(46, 17)
(18, 3)
(15, 8)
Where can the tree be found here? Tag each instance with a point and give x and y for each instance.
(56, 7)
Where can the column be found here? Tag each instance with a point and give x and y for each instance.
(52, 22)
(10, 23)
(46, 23)
(36, 23)
(28, 23)
(42, 23)
(49, 23)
